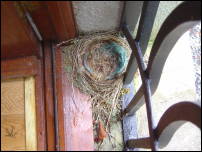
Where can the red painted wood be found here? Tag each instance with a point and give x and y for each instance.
(59, 96)
(62, 17)
(20, 67)
(49, 100)
(41, 18)
(40, 112)
(16, 34)
(54, 19)
(74, 112)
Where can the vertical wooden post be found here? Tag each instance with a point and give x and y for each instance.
(30, 115)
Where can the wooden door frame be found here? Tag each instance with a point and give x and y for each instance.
(26, 67)
(60, 21)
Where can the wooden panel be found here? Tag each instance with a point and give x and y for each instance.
(14, 69)
(12, 132)
(30, 115)
(20, 67)
(12, 115)
(17, 37)
(12, 97)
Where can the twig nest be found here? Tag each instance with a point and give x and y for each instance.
(104, 60)
(98, 62)
(103, 57)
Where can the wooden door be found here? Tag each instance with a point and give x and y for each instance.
(18, 114)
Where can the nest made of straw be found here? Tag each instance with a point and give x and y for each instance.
(104, 93)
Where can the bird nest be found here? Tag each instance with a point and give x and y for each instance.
(93, 70)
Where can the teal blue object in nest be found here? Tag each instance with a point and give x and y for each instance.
(118, 50)
(111, 49)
